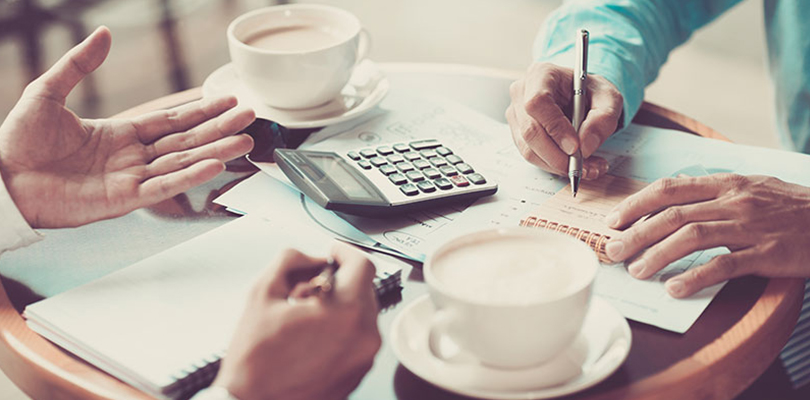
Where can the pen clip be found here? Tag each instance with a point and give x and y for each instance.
(581, 48)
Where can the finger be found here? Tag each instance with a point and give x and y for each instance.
(159, 188)
(152, 126)
(661, 225)
(661, 194)
(594, 167)
(718, 269)
(231, 122)
(686, 240)
(525, 151)
(603, 116)
(223, 150)
(535, 137)
(78, 62)
(545, 95)
(355, 275)
(274, 280)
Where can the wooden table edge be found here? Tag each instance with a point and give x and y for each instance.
(43, 370)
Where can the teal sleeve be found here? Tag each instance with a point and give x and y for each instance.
(629, 39)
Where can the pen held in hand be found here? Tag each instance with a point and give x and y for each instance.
(325, 281)
(580, 76)
(319, 285)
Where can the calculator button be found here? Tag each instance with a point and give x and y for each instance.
(428, 153)
(421, 164)
(409, 189)
(415, 176)
(448, 170)
(425, 144)
(401, 147)
(395, 159)
(404, 166)
(398, 179)
(477, 179)
(353, 155)
(437, 161)
(364, 164)
(368, 153)
(459, 180)
(432, 173)
(377, 161)
(464, 168)
(412, 155)
(426, 186)
(444, 151)
(385, 150)
(443, 183)
(387, 169)
(454, 159)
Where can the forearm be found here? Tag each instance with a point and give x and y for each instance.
(630, 39)
(14, 229)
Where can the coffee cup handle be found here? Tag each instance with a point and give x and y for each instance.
(363, 46)
(442, 328)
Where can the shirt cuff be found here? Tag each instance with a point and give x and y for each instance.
(14, 230)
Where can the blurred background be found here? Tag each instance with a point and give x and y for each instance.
(162, 46)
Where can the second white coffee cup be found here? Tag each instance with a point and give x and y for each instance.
(296, 56)
(512, 298)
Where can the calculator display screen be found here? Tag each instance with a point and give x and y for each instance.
(339, 173)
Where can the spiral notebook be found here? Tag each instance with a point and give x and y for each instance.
(162, 324)
(583, 216)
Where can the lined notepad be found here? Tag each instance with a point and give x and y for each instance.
(163, 324)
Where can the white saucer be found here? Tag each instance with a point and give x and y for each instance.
(366, 88)
(601, 348)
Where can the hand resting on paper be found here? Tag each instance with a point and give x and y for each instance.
(62, 170)
(762, 220)
(540, 128)
(318, 347)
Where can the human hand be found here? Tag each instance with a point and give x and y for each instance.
(542, 132)
(62, 170)
(762, 220)
(318, 347)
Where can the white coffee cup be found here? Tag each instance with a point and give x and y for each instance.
(296, 56)
(511, 298)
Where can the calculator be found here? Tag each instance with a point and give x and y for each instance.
(385, 179)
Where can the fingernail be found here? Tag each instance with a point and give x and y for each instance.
(636, 268)
(568, 145)
(589, 144)
(614, 249)
(612, 219)
(675, 287)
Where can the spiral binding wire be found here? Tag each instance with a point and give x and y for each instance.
(594, 240)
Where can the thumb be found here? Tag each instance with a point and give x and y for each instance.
(81, 60)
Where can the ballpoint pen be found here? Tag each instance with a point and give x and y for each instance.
(580, 75)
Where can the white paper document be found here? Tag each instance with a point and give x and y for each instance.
(638, 152)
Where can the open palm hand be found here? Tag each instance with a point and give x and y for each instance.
(62, 170)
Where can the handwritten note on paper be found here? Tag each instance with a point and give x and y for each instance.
(644, 301)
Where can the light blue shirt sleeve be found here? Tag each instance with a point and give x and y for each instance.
(629, 39)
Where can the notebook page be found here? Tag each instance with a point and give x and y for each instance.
(148, 322)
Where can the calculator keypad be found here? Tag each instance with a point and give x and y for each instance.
(422, 166)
